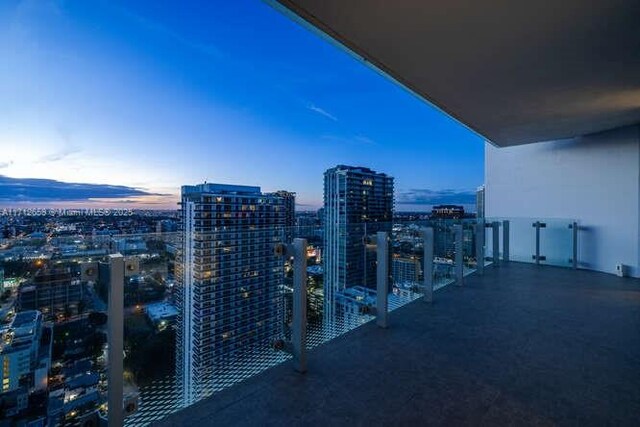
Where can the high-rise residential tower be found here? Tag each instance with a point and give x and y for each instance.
(358, 202)
(229, 278)
(289, 206)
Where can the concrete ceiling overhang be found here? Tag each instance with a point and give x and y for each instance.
(515, 72)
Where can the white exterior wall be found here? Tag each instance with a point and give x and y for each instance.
(594, 179)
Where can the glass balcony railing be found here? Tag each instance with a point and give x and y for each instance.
(201, 312)
(545, 241)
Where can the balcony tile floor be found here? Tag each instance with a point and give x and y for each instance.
(521, 345)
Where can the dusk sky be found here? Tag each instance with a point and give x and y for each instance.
(147, 96)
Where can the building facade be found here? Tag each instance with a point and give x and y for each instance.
(229, 279)
(54, 291)
(289, 200)
(25, 359)
(358, 202)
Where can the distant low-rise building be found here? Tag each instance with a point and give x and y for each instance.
(352, 302)
(129, 245)
(166, 226)
(161, 314)
(447, 212)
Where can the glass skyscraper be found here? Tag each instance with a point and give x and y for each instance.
(229, 278)
(358, 202)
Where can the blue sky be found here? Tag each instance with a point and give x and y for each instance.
(152, 95)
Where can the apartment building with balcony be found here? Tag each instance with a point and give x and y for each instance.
(228, 276)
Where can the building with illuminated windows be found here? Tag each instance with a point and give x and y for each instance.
(25, 359)
(358, 202)
(229, 278)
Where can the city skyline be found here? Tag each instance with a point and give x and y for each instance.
(135, 101)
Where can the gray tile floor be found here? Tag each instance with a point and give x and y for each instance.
(522, 345)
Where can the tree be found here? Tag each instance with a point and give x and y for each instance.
(67, 311)
(98, 318)
(82, 305)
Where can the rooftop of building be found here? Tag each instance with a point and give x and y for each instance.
(160, 310)
(357, 294)
(357, 169)
(214, 188)
(21, 331)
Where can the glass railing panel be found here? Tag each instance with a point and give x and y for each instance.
(202, 311)
(54, 278)
(406, 267)
(150, 323)
(556, 242)
(444, 252)
(237, 302)
(554, 238)
(469, 258)
(314, 235)
(489, 246)
(522, 239)
(348, 291)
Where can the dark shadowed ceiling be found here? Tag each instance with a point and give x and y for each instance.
(515, 72)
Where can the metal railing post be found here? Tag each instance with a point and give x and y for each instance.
(505, 240)
(480, 247)
(458, 258)
(382, 312)
(299, 315)
(537, 257)
(495, 225)
(115, 331)
(427, 236)
(574, 259)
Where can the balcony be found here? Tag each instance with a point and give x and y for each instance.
(487, 321)
(520, 345)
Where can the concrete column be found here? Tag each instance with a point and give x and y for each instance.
(505, 240)
(480, 247)
(427, 236)
(458, 258)
(574, 257)
(299, 321)
(496, 243)
(382, 312)
(115, 332)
